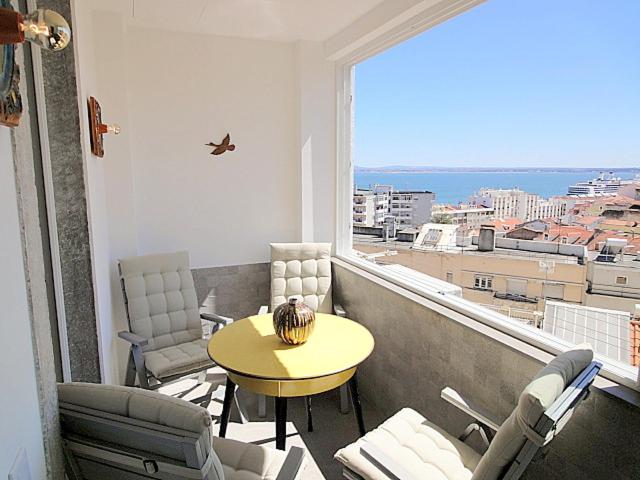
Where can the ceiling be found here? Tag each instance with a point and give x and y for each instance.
(283, 20)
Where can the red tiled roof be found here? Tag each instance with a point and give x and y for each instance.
(505, 224)
(587, 220)
(633, 242)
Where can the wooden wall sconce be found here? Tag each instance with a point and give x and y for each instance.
(98, 129)
(44, 28)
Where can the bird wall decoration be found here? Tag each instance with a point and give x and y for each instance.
(225, 146)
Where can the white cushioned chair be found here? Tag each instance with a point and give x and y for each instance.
(303, 270)
(165, 324)
(113, 432)
(408, 446)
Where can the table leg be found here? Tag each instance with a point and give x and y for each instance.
(281, 422)
(229, 392)
(307, 401)
(357, 408)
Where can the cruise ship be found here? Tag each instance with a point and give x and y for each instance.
(605, 183)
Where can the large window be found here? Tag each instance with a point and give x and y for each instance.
(501, 149)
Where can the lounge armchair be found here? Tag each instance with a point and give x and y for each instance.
(303, 270)
(165, 325)
(409, 447)
(113, 432)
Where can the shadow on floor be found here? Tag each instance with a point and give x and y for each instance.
(332, 429)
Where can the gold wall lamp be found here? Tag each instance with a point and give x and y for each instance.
(45, 28)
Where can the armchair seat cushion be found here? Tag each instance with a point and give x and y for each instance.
(420, 447)
(178, 359)
(246, 461)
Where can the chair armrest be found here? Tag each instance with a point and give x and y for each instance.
(450, 395)
(292, 464)
(339, 311)
(263, 309)
(133, 339)
(383, 462)
(212, 317)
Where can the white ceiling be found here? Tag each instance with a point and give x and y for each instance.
(284, 20)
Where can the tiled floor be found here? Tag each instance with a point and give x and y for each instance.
(332, 429)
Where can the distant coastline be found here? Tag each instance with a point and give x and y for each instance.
(457, 185)
(391, 169)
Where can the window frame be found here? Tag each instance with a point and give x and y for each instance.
(343, 234)
(483, 282)
(622, 284)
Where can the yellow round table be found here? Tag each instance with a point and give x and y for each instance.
(256, 359)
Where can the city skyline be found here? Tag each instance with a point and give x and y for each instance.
(562, 91)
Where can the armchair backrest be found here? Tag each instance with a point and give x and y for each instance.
(124, 432)
(544, 407)
(160, 299)
(302, 270)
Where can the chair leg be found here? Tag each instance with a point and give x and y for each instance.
(344, 398)
(138, 359)
(262, 406)
(130, 376)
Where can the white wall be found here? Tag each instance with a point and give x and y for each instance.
(109, 180)
(317, 141)
(159, 189)
(186, 90)
(20, 415)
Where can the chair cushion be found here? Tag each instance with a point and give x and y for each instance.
(128, 407)
(420, 447)
(178, 359)
(161, 299)
(136, 404)
(541, 392)
(246, 461)
(302, 270)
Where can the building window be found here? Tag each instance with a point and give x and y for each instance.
(553, 290)
(483, 282)
(517, 286)
(620, 280)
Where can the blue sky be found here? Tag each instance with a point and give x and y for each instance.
(509, 83)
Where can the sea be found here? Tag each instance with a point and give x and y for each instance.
(456, 187)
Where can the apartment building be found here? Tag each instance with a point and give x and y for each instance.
(409, 208)
(364, 208)
(513, 273)
(613, 278)
(508, 203)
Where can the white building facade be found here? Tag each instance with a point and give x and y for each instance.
(515, 203)
(409, 208)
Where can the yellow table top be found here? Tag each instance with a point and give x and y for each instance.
(250, 347)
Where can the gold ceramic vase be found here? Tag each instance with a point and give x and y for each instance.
(293, 322)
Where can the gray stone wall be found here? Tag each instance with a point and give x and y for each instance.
(67, 171)
(419, 351)
(239, 290)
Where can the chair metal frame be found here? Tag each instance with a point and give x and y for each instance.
(126, 463)
(548, 426)
(135, 364)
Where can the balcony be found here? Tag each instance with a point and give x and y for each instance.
(445, 349)
(158, 189)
